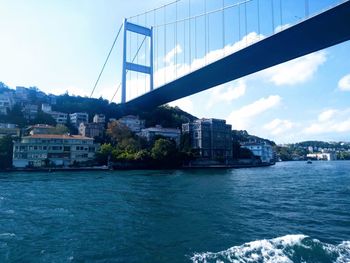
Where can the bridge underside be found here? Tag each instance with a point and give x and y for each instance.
(324, 30)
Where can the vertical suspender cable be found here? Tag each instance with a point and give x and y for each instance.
(205, 31)
(307, 8)
(273, 17)
(281, 16)
(175, 51)
(176, 39)
(223, 26)
(239, 22)
(258, 2)
(246, 23)
(137, 58)
(184, 21)
(155, 43)
(189, 33)
(164, 65)
(146, 55)
(195, 38)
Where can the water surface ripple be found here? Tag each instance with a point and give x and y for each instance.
(290, 212)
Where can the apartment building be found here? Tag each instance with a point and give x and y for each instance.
(169, 133)
(41, 150)
(133, 123)
(79, 117)
(211, 137)
(91, 129)
(99, 118)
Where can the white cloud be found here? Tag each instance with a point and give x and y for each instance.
(278, 126)
(169, 58)
(330, 121)
(241, 118)
(295, 71)
(227, 92)
(326, 115)
(172, 71)
(344, 83)
(282, 27)
(185, 104)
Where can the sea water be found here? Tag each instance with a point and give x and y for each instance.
(290, 212)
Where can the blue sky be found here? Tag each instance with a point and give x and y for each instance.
(61, 45)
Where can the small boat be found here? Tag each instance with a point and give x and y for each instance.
(309, 162)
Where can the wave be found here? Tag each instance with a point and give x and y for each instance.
(286, 249)
(7, 235)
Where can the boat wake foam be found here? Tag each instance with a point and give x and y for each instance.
(286, 249)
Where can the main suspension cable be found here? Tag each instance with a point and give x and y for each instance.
(104, 65)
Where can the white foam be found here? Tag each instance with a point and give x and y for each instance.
(279, 249)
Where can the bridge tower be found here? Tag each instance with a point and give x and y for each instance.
(130, 65)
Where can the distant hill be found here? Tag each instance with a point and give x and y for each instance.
(166, 116)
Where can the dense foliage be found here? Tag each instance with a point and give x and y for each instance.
(6, 146)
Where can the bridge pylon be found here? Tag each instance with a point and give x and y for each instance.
(130, 65)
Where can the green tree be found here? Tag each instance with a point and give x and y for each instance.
(14, 115)
(164, 151)
(44, 118)
(105, 152)
(6, 151)
(118, 132)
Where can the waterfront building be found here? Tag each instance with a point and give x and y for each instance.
(9, 129)
(40, 129)
(91, 129)
(133, 123)
(324, 156)
(40, 150)
(169, 133)
(79, 117)
(211, 137)
(262, 150)
(99, 118)
(30, 111)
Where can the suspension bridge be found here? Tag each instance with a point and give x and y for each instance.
(188, 46)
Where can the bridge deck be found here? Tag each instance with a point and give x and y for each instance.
(324, 30)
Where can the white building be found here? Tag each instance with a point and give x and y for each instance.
(46, 108)
(61, 150)
(79, 117)
(262, 150)
(60, 117)
(169, 133)
(325, 156)
(99, 118)
(133, 123)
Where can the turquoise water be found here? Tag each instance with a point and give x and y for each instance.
(290, 212)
